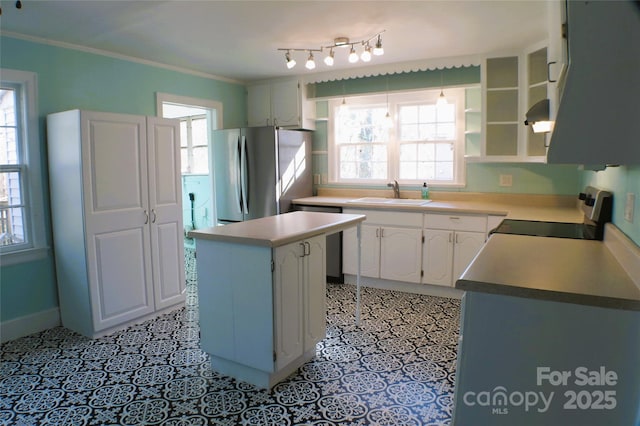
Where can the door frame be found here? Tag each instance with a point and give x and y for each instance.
(214, 111)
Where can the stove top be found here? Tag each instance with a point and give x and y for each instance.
(597, 206)
(580, 231)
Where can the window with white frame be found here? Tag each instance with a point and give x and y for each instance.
(21, 210)
(419, 141)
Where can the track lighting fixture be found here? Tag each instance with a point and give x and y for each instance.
(339, 42)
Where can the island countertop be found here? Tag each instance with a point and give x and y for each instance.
(274, 231)
(557, 269)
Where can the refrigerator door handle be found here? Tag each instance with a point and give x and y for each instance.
(238, 185)
(244, 178)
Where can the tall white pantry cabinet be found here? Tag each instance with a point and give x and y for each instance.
(117, 218)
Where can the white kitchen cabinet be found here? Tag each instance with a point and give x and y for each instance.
(450, 244)
(117, 218)
(279, 103)
(391, 246)
(299, 298)
(271, 302)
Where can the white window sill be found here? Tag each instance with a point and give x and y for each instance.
(24, 256)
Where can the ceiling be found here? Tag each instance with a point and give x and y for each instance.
(238, 40)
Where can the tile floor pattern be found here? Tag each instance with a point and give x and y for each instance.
(398, 368)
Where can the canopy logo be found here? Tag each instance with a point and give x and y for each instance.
(590, 394)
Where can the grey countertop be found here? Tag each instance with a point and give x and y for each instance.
(274, 231)
(558, 269)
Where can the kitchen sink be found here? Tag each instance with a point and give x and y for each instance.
(396, 201)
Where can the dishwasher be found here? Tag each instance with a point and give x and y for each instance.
(334, 244)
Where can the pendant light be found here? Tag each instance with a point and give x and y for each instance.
(388, 120)
(441, 98)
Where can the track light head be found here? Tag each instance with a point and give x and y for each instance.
(378, 50)
(328, 60)
(311, 62)
(366, 54)
(290, 61)
(353, 56)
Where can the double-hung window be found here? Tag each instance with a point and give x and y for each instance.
(405, 136)
(21, 211)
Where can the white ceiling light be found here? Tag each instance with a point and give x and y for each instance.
(378, 50)
(311, 62)
(366, 54)
(290, 61)
(328, 60)
(353, 56)
(339, 42)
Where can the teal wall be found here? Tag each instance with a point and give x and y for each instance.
(70, 79)
(621, 181)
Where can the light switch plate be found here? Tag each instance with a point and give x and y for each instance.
(629, 207)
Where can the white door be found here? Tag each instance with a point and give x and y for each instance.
(370, 256)
(165, 201)
(401, 254)
(315, 284)
(287, 300)
(437, 256)
(116, 205)
(467, 245)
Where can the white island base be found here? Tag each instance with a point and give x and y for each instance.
(261, 293)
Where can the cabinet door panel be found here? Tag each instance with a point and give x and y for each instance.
(119, 277)
(370, 257)
(259, 105)
(467, 245)
(165, 202)
(288, 282)
(285, 103)
(315, 292)
(437, 257)
(401, 254)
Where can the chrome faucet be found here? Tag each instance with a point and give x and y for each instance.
(396, 188)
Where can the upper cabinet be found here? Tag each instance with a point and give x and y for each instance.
(511, 83)
(597, 117)
(279, 103)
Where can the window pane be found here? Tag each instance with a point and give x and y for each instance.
(427, 113)
(10, 194)
(426, 152)
(446, 131)
(11, 225)
(8, 145)
(7, 107)
(444, 152)
(408, 114)
(199, 132)
(200, 160)
(408, 151)
(409, 132)
(444, 171)
(446, 112)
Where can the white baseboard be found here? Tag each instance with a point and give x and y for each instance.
(29, 324)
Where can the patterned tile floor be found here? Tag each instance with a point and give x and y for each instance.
(397, 368)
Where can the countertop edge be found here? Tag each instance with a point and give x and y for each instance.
(548, 295)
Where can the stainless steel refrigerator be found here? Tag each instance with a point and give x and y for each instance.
(257, 171)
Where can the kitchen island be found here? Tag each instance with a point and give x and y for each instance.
(550, 333)
(261, 292)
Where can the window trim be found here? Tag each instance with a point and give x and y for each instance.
(400, 98)
(37, 246)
